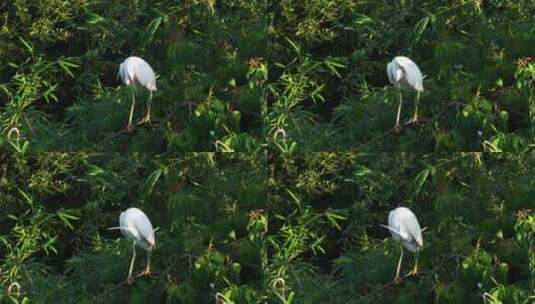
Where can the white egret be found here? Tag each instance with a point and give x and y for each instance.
(403, 72)
(404, 227)
(135, 225)
(135, 71)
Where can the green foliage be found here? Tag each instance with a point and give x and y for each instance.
(329, 247)
(329, 89)
(207, 207)
(271, 160)
(58, 75)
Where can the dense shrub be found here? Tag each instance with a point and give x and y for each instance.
(271, 161)
(329, 89)
(329, 247)
(208, 209)
(58, 74)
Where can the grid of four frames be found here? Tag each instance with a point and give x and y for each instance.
(266, 145)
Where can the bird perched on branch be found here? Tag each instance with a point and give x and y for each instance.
(136, 226)
(403, 72)
(135, 71)
(404, 227)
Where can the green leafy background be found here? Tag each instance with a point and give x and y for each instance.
(296, 92)
(329, 88)
(59, 85)
(329, 247)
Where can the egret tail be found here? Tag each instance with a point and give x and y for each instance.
(391, 229)
(121, 228)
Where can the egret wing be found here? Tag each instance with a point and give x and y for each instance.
(145, 75)
(143, 225)
(415, 231)
(413, 75)
(410, 225)
(130, 71)
(394, 220)
(126, 230)
(394, 224)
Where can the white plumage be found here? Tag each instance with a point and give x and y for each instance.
(403, 72)
(135, 71)
(136, 226)
(404, 227)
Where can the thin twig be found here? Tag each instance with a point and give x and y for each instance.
(391, 283)
(406, 124)
(153, 275)
(123, 131)
(125, 283)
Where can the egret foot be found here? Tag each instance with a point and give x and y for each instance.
(414, 271)
(129, 280)
(413, 120)
(145, 120)
(145, 272)
(129, 128)
(397, 128)
(397, 279)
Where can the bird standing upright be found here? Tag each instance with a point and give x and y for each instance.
(135, 71)
(403, 72)
(404, 227)
(135, 225)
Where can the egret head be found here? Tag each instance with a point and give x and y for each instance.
(414, 245)
(394, 72)
(146, 244)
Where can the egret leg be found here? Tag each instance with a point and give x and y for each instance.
(415, 269)
(397, 279)
(414, 118)
(129, 127)
(146, 119)
(397, 127)
(132, 262)
(147, 269)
